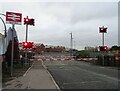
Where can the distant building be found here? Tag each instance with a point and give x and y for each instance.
(67, 49)
(93, 49)
(20, 46)
(37, 48)
(49, 48)
(40, 48)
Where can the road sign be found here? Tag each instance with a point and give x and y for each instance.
(102, 30)
(13, 18)
(28, 21)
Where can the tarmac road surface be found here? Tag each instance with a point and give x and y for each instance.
(82, 75)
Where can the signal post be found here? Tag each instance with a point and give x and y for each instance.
(27, 44)
(103, 48)
(103, 30)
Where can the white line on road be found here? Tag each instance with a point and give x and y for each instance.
(83, 82)
(112, 78)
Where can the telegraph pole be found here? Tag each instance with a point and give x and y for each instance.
(74, 44)
(71, 43)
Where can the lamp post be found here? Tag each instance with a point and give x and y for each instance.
(3, 23)
(3, 38)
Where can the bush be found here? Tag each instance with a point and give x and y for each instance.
(82, 54)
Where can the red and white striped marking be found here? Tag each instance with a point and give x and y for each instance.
(49, 58)
(87, 59)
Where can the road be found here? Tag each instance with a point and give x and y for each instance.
(68, 74)
(82, 75)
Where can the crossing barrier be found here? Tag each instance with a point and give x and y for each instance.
(48, 58)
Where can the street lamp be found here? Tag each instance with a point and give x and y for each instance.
(2, 14)
(3, 39)
(3, 23)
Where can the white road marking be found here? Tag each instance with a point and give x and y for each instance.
(108, 77)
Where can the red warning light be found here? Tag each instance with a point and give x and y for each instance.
(27, 44)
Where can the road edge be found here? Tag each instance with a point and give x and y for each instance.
(51, 76)
(27, 70)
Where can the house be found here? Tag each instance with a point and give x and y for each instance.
(38, 48)
(49, 48)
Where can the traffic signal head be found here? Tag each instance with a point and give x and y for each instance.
(32, 22)
(103, 48)
(102, 29)
(28, 21)
(27, 44)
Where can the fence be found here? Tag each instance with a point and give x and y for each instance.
(108, 60)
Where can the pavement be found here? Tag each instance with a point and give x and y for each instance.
(36, 77)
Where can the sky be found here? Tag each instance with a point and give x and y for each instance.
(54, 21)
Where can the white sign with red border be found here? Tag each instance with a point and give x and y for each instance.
(13, 18)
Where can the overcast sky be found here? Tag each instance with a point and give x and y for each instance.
(55, 20)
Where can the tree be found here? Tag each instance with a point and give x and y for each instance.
(114, 48)
(82, 54)
(16, 52)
